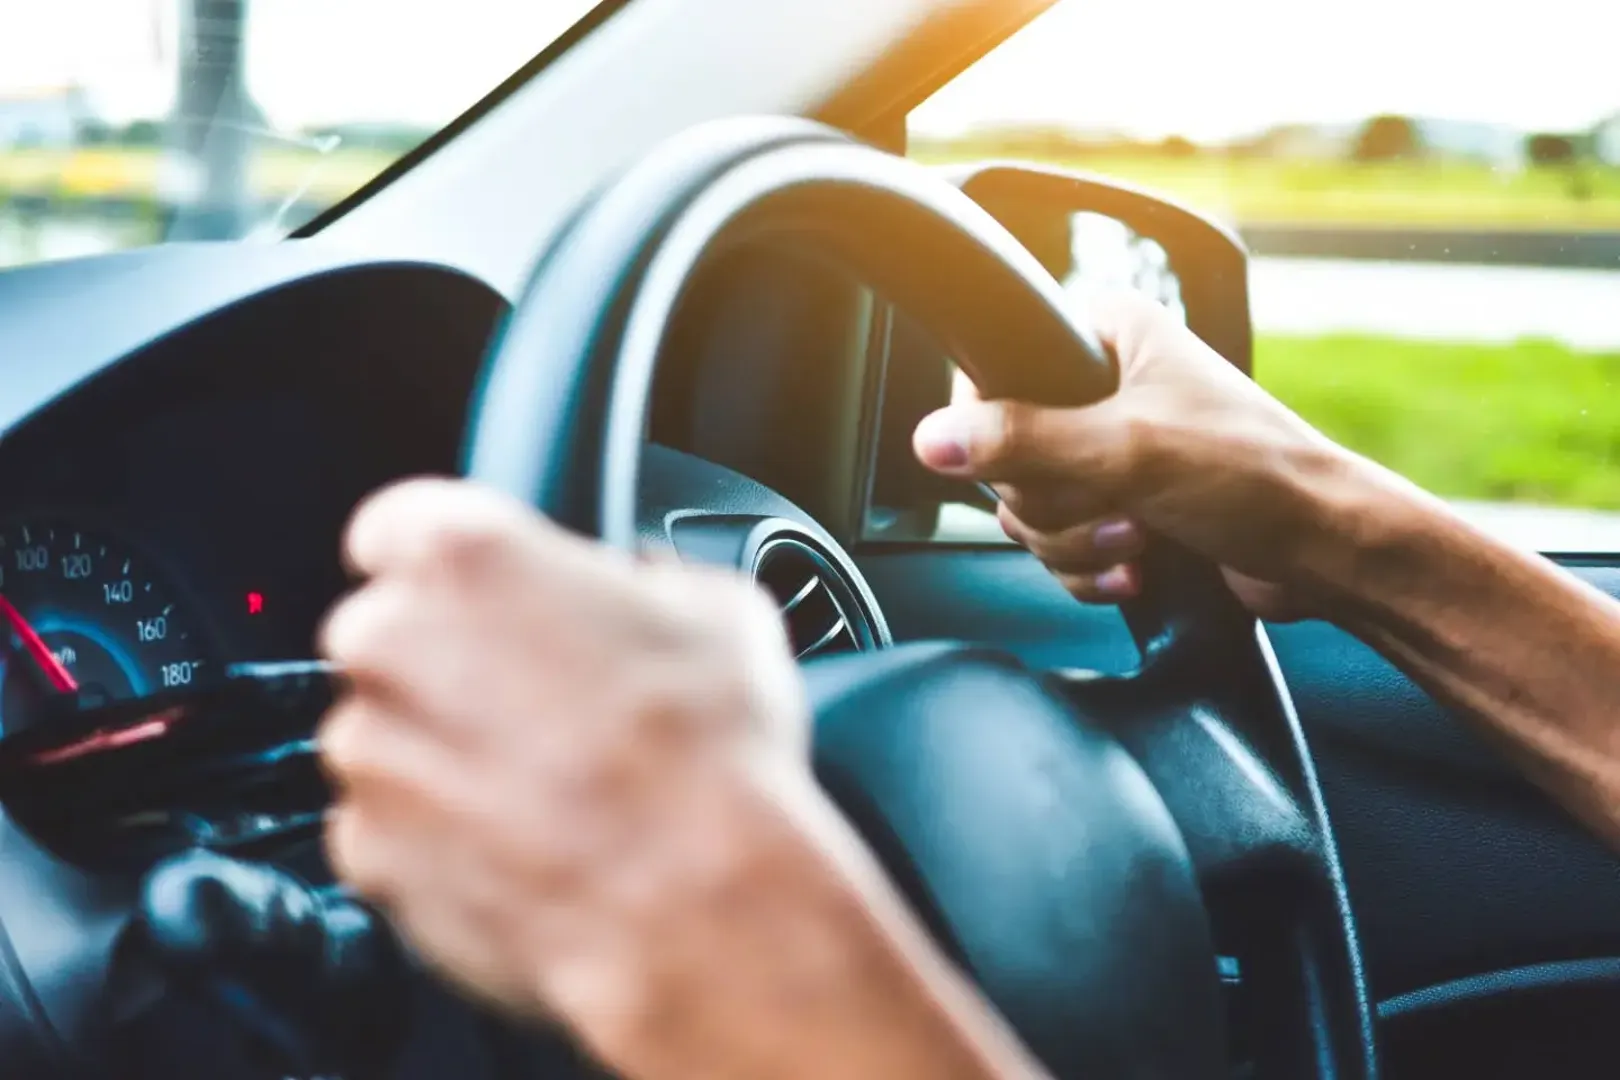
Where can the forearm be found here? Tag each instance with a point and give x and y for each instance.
(1519, 647)
(897, 1007)
(811, 967)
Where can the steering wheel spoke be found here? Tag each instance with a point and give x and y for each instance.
(1210, 720)
(1234, 811)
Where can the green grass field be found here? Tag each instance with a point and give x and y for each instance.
(1252, 191)
(100, 171)
(1529, 422)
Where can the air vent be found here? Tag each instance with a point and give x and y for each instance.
(822, 617)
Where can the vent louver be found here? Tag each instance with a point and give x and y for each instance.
(812, 597)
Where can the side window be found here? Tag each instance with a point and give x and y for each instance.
(1435, 278)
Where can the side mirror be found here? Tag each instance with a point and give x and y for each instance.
(1090, 232)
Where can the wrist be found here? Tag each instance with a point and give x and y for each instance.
(1374, 540)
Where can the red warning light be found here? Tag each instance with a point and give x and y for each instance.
(255, 603)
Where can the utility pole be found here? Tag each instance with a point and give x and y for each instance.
(214, 119)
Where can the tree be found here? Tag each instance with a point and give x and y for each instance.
(1178, 146)
(142, 133)
(94, 132)
(1388, 138)
(1551, 150)
(1563, 153)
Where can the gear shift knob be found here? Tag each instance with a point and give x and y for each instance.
(315, 977)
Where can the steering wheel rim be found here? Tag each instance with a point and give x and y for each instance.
(560, 418)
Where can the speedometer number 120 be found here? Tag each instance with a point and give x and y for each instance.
(115, 626)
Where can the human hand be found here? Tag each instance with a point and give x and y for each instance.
(1188, 448)
(580, 785)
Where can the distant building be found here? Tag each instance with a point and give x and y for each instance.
(1606, 140)
(1301, 142)
(1497, 145)
(44, 117)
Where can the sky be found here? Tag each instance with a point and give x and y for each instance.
(1217, 68)
(1202, 68)
(309, 62)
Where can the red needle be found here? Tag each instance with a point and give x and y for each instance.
(59, 675)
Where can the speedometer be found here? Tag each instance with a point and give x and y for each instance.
(84, 614)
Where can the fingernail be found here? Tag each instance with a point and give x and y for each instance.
(1118, 582)
(1117, 535)
(941, 440)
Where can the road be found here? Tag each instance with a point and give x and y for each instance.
(1551, 530)
(1444, 301)
(1596, 247)
(1437, 301)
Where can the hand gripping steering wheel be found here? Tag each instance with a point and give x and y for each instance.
(1081, 848)
(1084, 849)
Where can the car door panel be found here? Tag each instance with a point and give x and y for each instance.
(1490, 920)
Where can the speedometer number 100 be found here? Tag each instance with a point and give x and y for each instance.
(115, 627)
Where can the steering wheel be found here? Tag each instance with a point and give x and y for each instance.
(1101, 855)
(1085, 849)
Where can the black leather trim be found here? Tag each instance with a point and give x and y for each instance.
(574, 300)
(608, 289)
(965, 775)
(1210, 259)
(1594, 972)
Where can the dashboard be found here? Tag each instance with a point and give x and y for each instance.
(218, 422)
(177, 507)
(186, 430)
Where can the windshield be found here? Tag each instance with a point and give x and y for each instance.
(1430, 193)
(132, 122)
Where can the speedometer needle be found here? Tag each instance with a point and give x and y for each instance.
(41, 653)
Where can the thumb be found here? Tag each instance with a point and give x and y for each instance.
(1128, 322)
(1014, 441)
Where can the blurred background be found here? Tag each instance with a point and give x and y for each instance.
(126, 122)
(1432, 187)
(1432, 191)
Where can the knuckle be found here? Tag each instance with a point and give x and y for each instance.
(466, 547)
(343, 738)
(1126, 316)
(1011, 523)
(1068, 552)
(352, 850)
(1053, 507)
(1136, 452)
(371, 540)
(1081, 586)
(729, 600)
(428, 526)
(742, 614)
(345, 632)
(375, 633)
(360, 632)
(1005, 435)
(755, 608)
